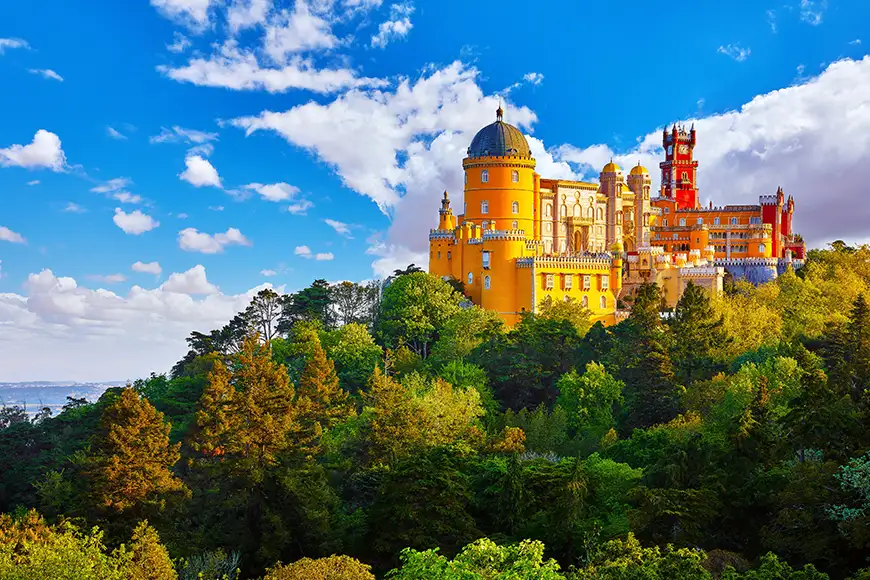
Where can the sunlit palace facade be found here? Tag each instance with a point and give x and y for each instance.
(522, 238)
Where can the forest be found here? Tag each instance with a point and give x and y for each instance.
(392, 430)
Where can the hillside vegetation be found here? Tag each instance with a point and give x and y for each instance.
(346, 433)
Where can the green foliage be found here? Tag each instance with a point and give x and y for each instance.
(589, 400)
(628, 560)
(331, 568)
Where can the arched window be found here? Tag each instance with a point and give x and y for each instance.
(700, 221)
(578, 211)
(515, 225)
(484, 224)
(466, 178)
(590, 213)
(762, 248)
(549, 227)
(515, 207)
(515, 176)
(734, 221)
(470, 278)
(486, 282)
(564, 210)
(484, 207)
(603, 302)
(585, 301)
(484, 176)
(600, 213)
(619, 217)
(682, 221)
(716, 221)
(548, 211)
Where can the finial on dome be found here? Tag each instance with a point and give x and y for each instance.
(445, 194)
(499, 113)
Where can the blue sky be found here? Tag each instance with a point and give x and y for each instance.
(227, 144)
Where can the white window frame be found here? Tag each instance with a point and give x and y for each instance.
(484, 207)
(735, 221)
(484, 176)
(486, 283)
(515, 225)
(569, 281)
(682, 222)
(585, 301)
(515, 176)
(587, 282)
(515, 207)
(603, 302)
(717, 221)
(605, 281)
(487, 259)
(548, 281)
(470, 278)
(700, 221)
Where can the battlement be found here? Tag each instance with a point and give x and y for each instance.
(767, 200)
(702, 272)
(442, 235)
(585, 261)
(767, 262)
(504, 235)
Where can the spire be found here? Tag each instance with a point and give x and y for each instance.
(499, 113)
(445, 194)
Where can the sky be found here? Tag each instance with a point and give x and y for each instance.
(161, 161)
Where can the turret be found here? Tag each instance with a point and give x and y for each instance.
(445, 215)
(611, 180)
(639, 182)
(616, 251)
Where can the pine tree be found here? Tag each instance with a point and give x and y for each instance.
(394, 428)
(696, 331)
(859, 334)
(131, 468)
(149, 559)
(322, 402)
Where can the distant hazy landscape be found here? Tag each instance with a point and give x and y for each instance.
(38, 394)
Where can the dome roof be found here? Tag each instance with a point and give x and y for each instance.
(611, 168)
(499, 140)
(639, 170)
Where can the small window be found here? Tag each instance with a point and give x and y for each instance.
(700, 221)
(549, 227)
(449, 255)
(486, 283)
(676, 236)
(515, 225)
(484, 176)
(548, 211)
(600, 213)
(603, 302)
(515, 207)
(564, 210)
(685, 176)
(665, 222)
(716, 221)
(486, 260)
(585, 301)
(484, 207)
(762, 248)
(755, 221)
(470, 278)
(667, 210)
(548, 281)
(569, 279)
(618, 217)
(515, 176)
(587, 281)
(734, 221)
(682, 221)
(605, 282)
(439, 254)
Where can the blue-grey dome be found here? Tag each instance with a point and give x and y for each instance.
(499, 140)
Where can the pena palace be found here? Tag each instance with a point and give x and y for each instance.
(522, 238)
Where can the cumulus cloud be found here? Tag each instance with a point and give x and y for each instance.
(178, 134)
(74, 208)
(135, 222)
(192, 240)
(398, 26)
(12, 43)
(200, 172)
(243, 14)
(112, 185)
(290, 32)
(127, 197)
(7, 235)
(43, 152)
(115, 134)
(305, 252)
(179, 43)
(340, 227)
(33, 182)
(46, 73)
(109, 278)
(275, 192)
(147, 268)
(191, 13)
(533, 78)
(238, 69)
(97, 334)
(735, 51)
(300, 207)
(268, 273)
(192, 282)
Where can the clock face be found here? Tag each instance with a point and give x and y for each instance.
(684, 148)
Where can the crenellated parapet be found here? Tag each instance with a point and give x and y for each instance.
(505, 235)
(442, 235)
(702, 272)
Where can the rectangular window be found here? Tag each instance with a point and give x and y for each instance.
(587, 281)
(515, 176)
(716, 221)
(682, 221)
(755, 221)
(605, 282)
(484, 176)
(486, 260)
(665, 222)
(568, 281)
(734, 221)
(548, 281)
(700, 221)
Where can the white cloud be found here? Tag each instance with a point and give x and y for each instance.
(340, 227)
(855, 42)
(46, 73)
(147, 268)
(7, 235)
(181, 135)
(110, 278)
(74, 208)
(301, 207)
(12, 43)
(103, 335)
(398, 26)
(115, 134)
(192, 282)
(771, 20)
(268, 273)
(182, 216)
(735, 52)
(237, 69)
(392, 257)
(363, 134)
(191, 13)
(216, 207)
(135, 222)
(534, 78)
(33, 182)
(813, 11)
(244, 14)
(276, 192)
(305, 252)
(44, 151)
(113, 185)
(200, 172)
(127, 197)
(289, 33)
(179, 43)
(191, 240)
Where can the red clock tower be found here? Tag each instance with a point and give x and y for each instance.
(679, 170)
